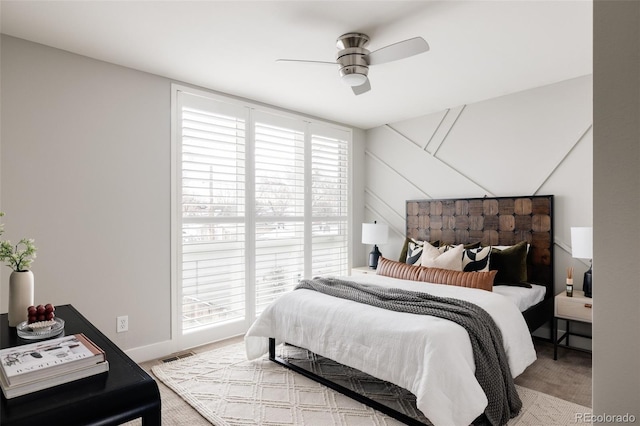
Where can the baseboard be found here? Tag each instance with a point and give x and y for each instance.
(163, 349)
(151, 352)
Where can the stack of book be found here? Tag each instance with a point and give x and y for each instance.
(41, 365)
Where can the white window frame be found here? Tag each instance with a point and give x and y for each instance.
(182, 340)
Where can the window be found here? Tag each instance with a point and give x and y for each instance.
(329, 171)
(261, 202)
(212, 184)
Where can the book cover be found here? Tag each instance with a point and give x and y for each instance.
(66, 377)
(36, 361)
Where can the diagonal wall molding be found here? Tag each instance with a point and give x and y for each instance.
(401, 217)
(391, 129)
(564, 157)
(443, 131)
(444, 117)
(396, 171)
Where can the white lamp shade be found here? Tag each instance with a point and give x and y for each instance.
(582, 242)
(374, 233)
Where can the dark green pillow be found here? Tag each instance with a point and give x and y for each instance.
(466, 246)
(403, 252)
(511, 264)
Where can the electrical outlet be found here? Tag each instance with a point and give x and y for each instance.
(122, 324)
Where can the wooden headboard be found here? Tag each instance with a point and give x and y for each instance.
(491, 221)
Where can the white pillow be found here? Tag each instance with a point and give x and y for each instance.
(450, 259)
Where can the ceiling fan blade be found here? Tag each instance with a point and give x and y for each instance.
(399, 50)
(306, 62)
(364, 87)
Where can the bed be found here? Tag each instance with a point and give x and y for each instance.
(437, 366)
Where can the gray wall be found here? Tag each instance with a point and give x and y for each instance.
(616, 187)
(537, 141)
(85, 171)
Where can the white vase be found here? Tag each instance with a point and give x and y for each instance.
(20, 296)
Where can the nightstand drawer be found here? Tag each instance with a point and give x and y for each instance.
(578, 308)
(362, 270)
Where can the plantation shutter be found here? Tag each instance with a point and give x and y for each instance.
(279, 204)
(261, 201)
(213, 211)
(329, 192)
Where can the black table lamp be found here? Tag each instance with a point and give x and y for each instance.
(374, 233)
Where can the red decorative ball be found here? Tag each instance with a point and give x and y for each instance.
(40, 313)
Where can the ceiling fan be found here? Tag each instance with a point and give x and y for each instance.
(354, 60)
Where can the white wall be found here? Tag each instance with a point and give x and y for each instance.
(616, 271)
(357, 196)
(85, 171)
(535, 142)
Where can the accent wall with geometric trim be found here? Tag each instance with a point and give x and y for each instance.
(534, 142)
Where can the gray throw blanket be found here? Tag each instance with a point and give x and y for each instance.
(492, 368)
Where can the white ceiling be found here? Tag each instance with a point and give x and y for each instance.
(479, 49)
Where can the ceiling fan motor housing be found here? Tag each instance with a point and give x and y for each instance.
(354, 68)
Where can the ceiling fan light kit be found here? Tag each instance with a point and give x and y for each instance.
(354, 60)
(354, 79)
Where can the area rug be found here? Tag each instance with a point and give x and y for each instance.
(228, 390)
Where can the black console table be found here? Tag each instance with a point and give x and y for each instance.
(125, 393)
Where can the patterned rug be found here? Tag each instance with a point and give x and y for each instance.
(228, 390)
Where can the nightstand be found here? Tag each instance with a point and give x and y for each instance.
(362, 270)
(571, 309)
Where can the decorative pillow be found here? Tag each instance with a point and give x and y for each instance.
(472, 245)
(466, 246)
(389, 268)
(476, 259)
(511, 264)
(508, 247)
(404, 253)
(479, 280)
(450, 259)
(414, 251)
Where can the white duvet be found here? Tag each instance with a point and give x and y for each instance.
(429, 356)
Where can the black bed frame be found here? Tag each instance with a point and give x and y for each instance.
(491, 221)
(339, 388)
